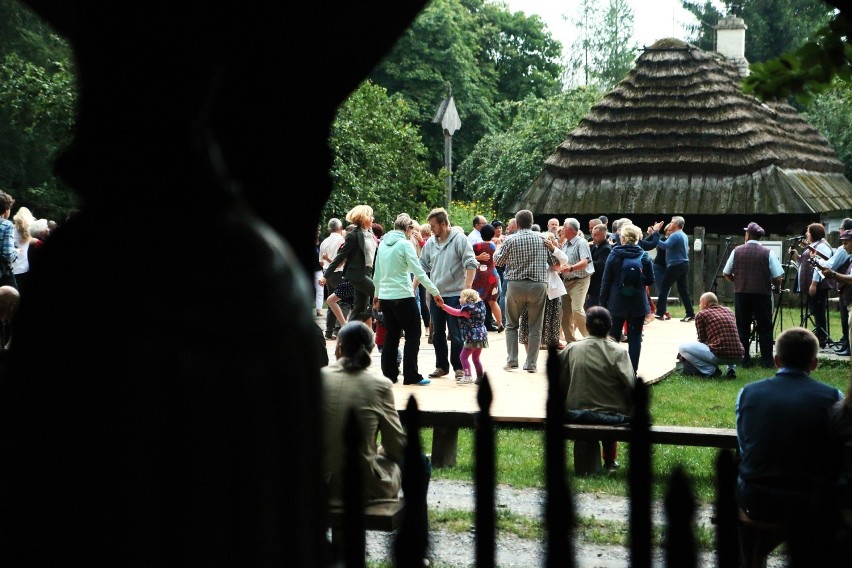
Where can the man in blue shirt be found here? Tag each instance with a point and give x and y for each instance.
(677, 267)
(782, 431)
(839, 262)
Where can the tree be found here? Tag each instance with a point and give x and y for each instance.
(774, 26)
(504, 164)
(526, 59)
(485, 53)
(379, 158)
(605, 50)
(808, 69)
(703, 34)
(830, 112)
(37, 110)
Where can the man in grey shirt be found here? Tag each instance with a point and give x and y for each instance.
(447, 257)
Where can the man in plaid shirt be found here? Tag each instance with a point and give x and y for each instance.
(527, 258)
(718, 341)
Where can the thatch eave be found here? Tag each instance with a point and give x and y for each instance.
(768, 189)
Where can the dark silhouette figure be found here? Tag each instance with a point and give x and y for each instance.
(175, 416)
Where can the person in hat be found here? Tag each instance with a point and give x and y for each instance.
(843, 278)
(754, 269)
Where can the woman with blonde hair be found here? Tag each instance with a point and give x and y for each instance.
(358, 251)
(626, 273)
(21, 234)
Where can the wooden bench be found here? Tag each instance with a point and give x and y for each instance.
(385, 516)
(587, 456)
(665, 435)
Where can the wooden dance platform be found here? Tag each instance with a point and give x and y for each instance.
(520, 396)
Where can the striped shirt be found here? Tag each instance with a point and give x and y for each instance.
(525, 257)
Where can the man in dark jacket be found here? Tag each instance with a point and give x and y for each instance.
(600, 249)
(782, 431)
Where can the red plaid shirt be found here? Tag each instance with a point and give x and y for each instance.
(717, 328)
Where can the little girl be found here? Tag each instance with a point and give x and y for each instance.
(471, 316)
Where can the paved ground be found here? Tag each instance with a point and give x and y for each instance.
(518, 393)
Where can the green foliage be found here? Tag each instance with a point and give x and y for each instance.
(807, 70)
(379, 158)
(702, 33)
(774, 26)
(504, 164)
(604, 51)
(484, 53)
(830, 112)
(461, 213)
(526, 59)
(37, 110)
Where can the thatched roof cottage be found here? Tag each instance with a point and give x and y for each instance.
(678, 136)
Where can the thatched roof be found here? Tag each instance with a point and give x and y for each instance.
(678, 135)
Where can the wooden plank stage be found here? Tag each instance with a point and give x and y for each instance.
(520, 396)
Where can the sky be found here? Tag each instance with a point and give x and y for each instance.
(652, 19)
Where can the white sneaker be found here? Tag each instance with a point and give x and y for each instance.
(459, 374)
(465, 380)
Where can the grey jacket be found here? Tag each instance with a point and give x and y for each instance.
(446, 263)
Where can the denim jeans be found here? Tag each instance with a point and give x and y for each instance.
(675, 274)
(700, 356)
(441, 322)
(634, 336)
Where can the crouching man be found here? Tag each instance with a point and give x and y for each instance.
(718, 341)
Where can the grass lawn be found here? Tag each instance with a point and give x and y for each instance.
(676, 400)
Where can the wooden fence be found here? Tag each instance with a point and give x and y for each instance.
(411, 543)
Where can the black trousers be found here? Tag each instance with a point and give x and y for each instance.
(401, 315)
(757, 307)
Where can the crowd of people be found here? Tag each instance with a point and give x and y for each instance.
(556, 288)
(20, 240)
(536, 285)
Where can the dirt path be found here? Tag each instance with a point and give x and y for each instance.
(457, 549)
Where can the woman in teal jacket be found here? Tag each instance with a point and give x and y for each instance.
(395, 262)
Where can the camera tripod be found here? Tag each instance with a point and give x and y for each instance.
(809, 322)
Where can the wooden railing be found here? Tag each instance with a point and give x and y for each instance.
(411, 544)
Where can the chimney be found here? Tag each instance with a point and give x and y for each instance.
(730, 41)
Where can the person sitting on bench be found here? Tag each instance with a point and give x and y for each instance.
(348, 385)
(782, 429)
(597, 377)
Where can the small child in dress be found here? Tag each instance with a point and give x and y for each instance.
(471, 316)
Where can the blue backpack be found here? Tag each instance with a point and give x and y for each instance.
(631, 276)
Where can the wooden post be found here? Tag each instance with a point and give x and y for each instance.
(445, 446)
(587, 457)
